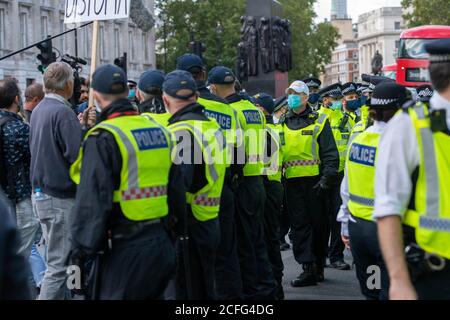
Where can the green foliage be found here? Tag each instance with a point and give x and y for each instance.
(311, 48)
(312, 44)
(201, 17)
(430, 12)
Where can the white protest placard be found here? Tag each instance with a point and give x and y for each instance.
(77, 11)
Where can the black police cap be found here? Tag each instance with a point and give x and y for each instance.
(221, 75)
(439, 51)
(312, 82)
(349, 88)
(180, 84)
(109, 79)
(333, 91)
(188, 61)
(151, 80)
(387, 95)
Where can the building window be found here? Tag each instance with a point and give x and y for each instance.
(23, 18)
(145, 45)
(397, 25)
(131, 45)
(44, 26)
(101, 39)
(2, 28)
(116, 42)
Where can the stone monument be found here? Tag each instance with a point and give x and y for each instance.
(265, 51)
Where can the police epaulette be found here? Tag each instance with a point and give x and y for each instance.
(313, 116)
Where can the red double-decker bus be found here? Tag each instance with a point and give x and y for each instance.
(412, 62)
(390, 71)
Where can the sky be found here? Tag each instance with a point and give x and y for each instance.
(354, 7)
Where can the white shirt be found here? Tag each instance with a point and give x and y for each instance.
(397, 159)
(344, 215)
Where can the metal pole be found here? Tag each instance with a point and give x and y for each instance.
(42, 41)
(165, 46)
(76, 43)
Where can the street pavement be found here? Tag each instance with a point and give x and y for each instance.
(338, 285)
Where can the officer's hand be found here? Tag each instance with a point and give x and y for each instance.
(402, 290)
(320, 188)
(346, 241)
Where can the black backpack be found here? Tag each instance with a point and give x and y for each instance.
(6, 177)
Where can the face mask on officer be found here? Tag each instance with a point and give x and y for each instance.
(313, 98)
(294, 101)
(335, 105)
(353, 105)
(132, 94)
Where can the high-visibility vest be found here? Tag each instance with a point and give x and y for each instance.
(145, 148)
(431, 217)
(361, 174)
(341, 125)
(226, 118)
(252, 122)
(161, 118)
(361, 125)
(205, 203)
(273, 166)
(301, 149)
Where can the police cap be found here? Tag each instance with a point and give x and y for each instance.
(151, 80)
(388, 95)
(221, 75)
(180, 84)
(109, 79)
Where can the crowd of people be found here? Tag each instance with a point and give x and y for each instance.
(183, 186)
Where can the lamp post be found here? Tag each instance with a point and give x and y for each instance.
(219, 33)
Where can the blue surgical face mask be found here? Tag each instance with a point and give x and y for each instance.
(294, 101)
(313, 98)
(336, 105)
(353, 105)
(364, 100)
(132, 94)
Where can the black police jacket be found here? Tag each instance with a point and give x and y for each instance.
(95, 213)
(328, 152)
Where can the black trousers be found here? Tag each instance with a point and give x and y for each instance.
(228, 273)
(257, 276)
(285, 224)
(309, 220)
(138, 269)
(334, 201)
(272, 213)
(366, 253)
(204, 238)
(435, 285)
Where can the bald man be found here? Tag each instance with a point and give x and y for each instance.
(33, 95)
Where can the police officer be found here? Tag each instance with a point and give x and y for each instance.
(359, 230)
(311, 162)
(363, 121)
(149, 92)
(351, 102)
(228, 276)
(200, 160)
(124, 193)
(411, 189)
(425, 93)
(274, 189)
(341, 125)
(257, 276)
(314, 88)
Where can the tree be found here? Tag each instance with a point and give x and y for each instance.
(201, 19)
(430, 12)
(311, 44)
